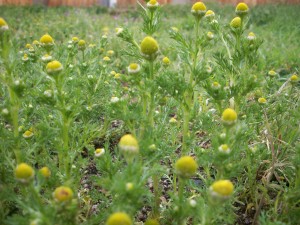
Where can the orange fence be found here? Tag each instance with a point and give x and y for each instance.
(127, 2)
(72, 2)
(15, 2)
(52, 2)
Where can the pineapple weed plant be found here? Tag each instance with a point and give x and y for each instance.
(185, 133)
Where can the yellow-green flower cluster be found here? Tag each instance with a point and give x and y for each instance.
(229, 116)
(149, 48)
(224, 149)
(46, 40)
(251, 36)
(186, 166)
(210, 15)
(152, 5)
(272, 73)
(236, 23)
(45, 172)
(166, 61)
(28, 134)
(24, 173)
(106, 59)
(210, 35)
(133, 68)
(3, 24)
(215, 85)
(262, 100)
(128, 143)
(54, 67)
(222, 188)
(81, 45)
(294, 78)
(46, 58)
(119, 218)
(198, 10)
(63, 194)
(99, 152)
(75, 39)
(242, 9)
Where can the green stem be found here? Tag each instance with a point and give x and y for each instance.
(63, 157)
(14, 109)
(227, 47)
(152, 103)
(144, 102)
(156, 196)
(181, 201)
(65, 137)
(238, 42)
(186, 120)
(83, 56)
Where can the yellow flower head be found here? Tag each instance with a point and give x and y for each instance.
(186, 166)
(175, 29)
(210, 35)
(215, 85)
(119, 31)
(236, 23)
(117, 76)
(241, 9)
(46, 40)
(114, 99)
(173, 120)
(119, 218)
(229, 116)
(149, 48)
(75, 39)
(99, 152)
(3, 24)
(262, 100)
(129, 186)
(151, 222)
(110, 52)
(152, 4)
(105, 30)
(133, 68)
(224, 149)
(35, 42)
(251, 36)
(28, 46)
(106, 59)
(28, 134)
(222, 188)
(54, 67)
(128, 143)
(166, 61)
(82, 45)
(63, 194)
(272, 73)
(24, 173)
(45, 171)
(35, 222)
(25, 57)
(210, 14)
(294, 78)
(46, 58)
(198, 10)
